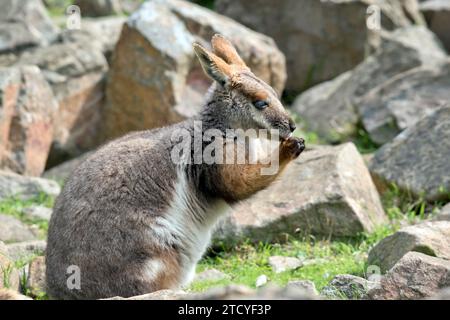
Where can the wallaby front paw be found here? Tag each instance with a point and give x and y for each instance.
(292, 147)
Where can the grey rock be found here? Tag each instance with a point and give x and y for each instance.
(437, 15)
(305, 285)
(157, 295)
(62, 171)
(76, 72)
(261, 281)
(13, 230)
(443, 294)
(417, 159)
(330, 193)
(14, 185)
(154, 82)
(24, 23)
(415, 276)
(444, 213)
(98, 8)
(102, 32)
(37, 212)
(239, 292)
(330, 109)
(211, 275)
(346, 286)
(26, 119)
(432, 238)
(26, 249)
(400, 102)
(280, 264)
(321, 39)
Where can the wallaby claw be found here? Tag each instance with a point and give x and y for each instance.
(293, 146)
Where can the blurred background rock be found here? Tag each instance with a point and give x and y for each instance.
(372, 103)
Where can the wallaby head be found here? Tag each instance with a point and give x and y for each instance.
(246, 102)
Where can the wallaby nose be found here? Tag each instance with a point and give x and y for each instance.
(292, 125)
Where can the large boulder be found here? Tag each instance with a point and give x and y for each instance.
(102, 32)
(24, 23)
(21, 187)
(417, 159)
(27, 107)
(155, 78)
(321, 39)
(327, 191)
(330, 108)
(400, 102)
(415, 276)
(437, 15)
(62, 171)
(432, 238)
(76, 71)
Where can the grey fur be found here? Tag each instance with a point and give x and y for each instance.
(104, 219)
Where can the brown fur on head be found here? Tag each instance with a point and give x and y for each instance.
(253, 103)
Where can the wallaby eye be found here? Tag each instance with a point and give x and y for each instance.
(260, 104)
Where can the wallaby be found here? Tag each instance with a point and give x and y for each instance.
(130, 221)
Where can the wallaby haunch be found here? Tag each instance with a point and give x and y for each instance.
(133, 221)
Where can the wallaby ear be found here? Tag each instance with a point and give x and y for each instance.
(213, 65)
(224, 49)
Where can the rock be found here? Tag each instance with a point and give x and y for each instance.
(24, 23)
(155, 78)
(9, 276)
(36, 277)
(76, 71)
(14, 185)
(211, 275)
(415, 276)
(444, 213)
(62, 171)
(305, 285)
(230, 292)
(261, 281)
(26, 249)
(280, 264)
(437, 15)
(346, 286)
(157, 295)
(321, 39)
(8, 294)
(400, 102)
(330, 109)
(330, 193)
(13, 230)
(98, 8)
(443, 294)
(239, 292)
(37, 212)
(432, 238)
(416, 160)
(26, 120)
(101, 32)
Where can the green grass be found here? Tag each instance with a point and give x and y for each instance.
(14, 207)
(245, 262)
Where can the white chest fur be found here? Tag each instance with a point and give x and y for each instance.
(188, 224)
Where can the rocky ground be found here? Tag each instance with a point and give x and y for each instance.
(362, 214)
